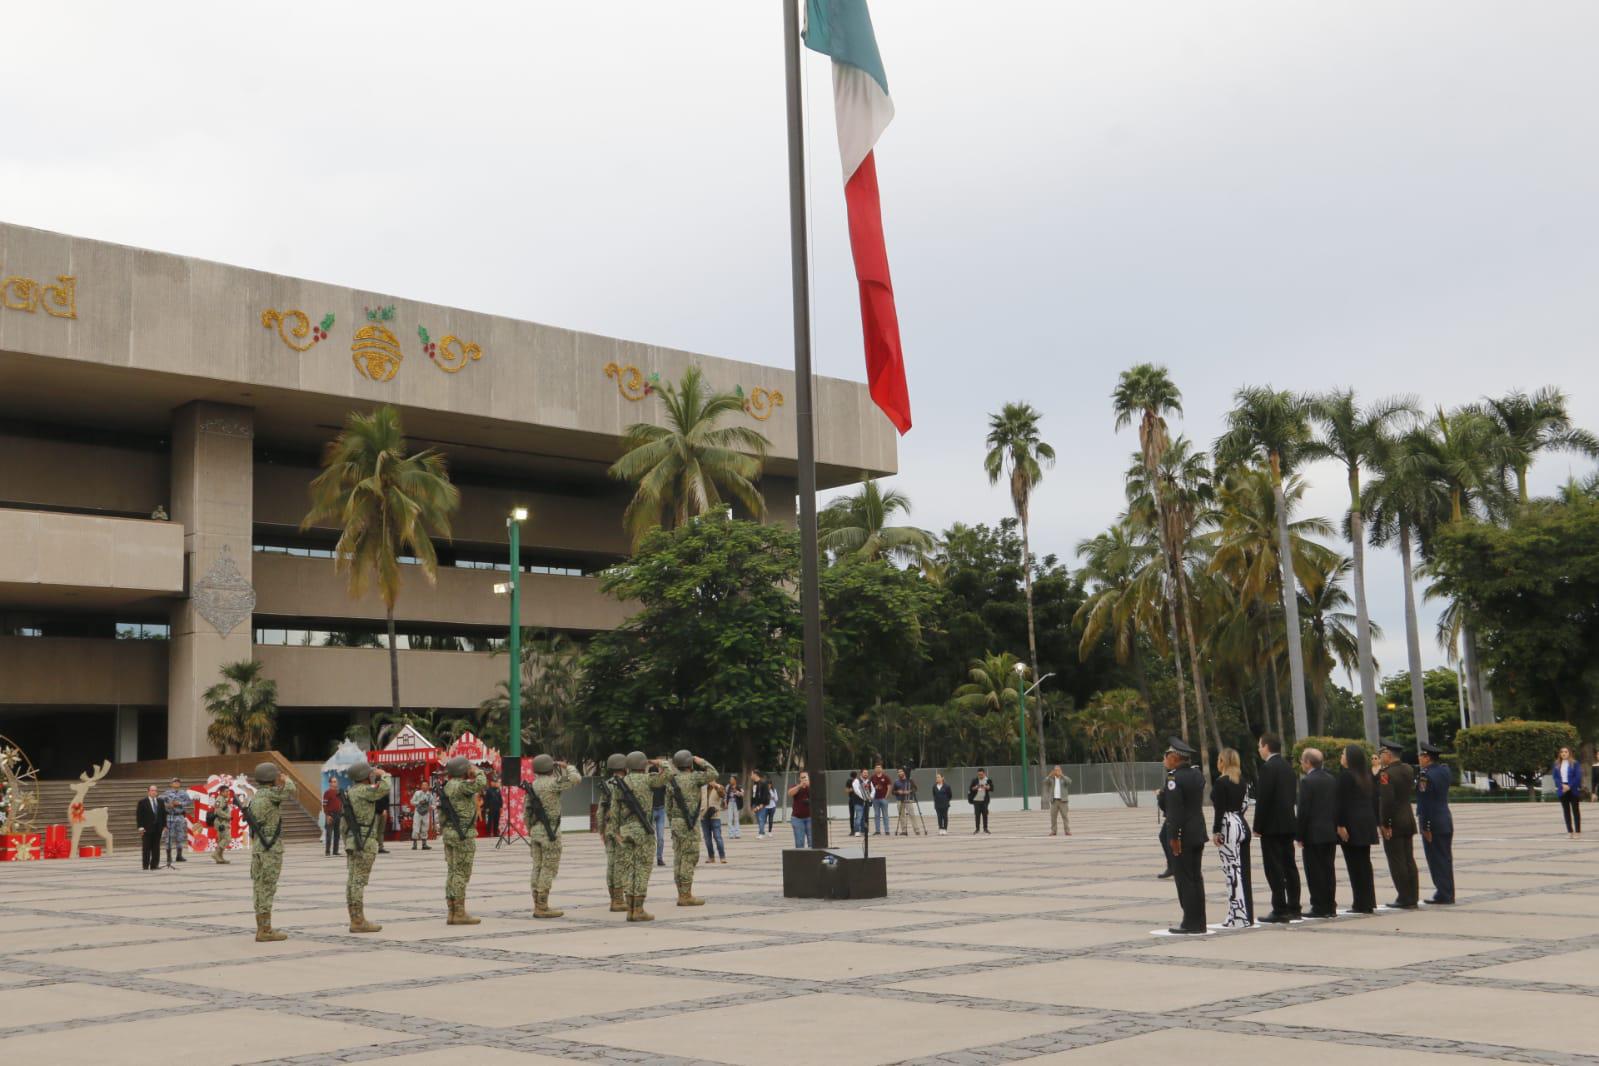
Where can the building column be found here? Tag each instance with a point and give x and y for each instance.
(212, 498)
(126, 746)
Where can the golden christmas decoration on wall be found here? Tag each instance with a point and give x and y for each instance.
(18, 293)
(301, 327)
(375, 350)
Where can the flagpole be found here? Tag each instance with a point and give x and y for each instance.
(810, 596)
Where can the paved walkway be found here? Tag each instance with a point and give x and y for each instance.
(1008, 947)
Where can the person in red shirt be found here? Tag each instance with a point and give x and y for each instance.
(333, 814)
(799, 811)
(880, 787)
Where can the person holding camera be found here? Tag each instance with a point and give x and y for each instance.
(712, 797)
(978, 794)
(422, 817)
(761, 802)
(905, 795)
(735, 806)
(799, 811)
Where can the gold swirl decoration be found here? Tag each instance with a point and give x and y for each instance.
(18, 293)
(274, 319)
(452, 362)
(375, 352)
(762, 402)
(630, 381)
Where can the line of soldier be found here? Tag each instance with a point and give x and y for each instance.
(628, 827)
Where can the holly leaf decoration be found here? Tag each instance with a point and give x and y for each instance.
(422, 331)
(327, 321)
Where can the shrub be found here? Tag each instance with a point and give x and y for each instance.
(1523, 750)
(1332, 748)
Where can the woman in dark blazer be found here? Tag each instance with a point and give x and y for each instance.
(1357, 827)
(942, 796)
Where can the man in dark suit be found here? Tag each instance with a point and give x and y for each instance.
(1276, 827)
(1165, 842)
(151, 819)
(1318, 832)
(1437, 824)
(1396, 782)
(1185, 828)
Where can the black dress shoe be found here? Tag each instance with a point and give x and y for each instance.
(1322, 914)
(1275, 918)
(1164, 875)
(1435, 902)
(1178, 930)
(181, 858)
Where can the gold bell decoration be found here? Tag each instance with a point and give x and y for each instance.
(375, 350)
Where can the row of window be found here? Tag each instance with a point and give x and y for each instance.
(459, 564)
(73, 627)
(346, 638)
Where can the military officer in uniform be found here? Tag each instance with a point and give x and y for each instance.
(616, 765)
(222, 822)
(458, 805)
(176, 801)
(1397, 823)
(1436, 823)
(683, 784)
(264, 816)
(631, 828)
(363, 827)
(543, 820)
(1186, 830)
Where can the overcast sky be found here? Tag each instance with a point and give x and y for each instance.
(1398, 196)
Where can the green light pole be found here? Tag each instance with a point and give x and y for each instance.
(514, 689)
(1021, 712)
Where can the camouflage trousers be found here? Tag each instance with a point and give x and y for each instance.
(613, 879)
(635, 858)
(177, 835)
(685, 852)
(265, 866)
(546, 858)
(358, 870)
(224, 837)
(458, 855)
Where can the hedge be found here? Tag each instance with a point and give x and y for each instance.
(1331, 748)
(1523, 750)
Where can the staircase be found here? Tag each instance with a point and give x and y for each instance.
(122, 797)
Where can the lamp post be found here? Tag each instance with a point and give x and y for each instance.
(511, 772)
(1393, 719)
(1021, 712)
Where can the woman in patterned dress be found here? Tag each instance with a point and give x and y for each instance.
(1231, 836)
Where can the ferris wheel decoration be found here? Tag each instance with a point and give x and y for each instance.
(19, 795)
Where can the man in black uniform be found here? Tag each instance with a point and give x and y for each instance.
(1276, 827)
(1437, 825)
(1165, 842)
(1185, 828)
(1318, 832)
(1396, 783)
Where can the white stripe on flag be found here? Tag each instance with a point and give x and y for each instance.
(863, 111)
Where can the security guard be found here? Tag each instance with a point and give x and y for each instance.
(616, 765)
(1185, 829)
(1396, 782)
(1436, 823)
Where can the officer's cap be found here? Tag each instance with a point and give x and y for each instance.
(543, 764)
(266, 773)
(1394, 746)
(1429, 749)
(1180, 746)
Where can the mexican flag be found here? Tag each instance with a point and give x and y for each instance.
(842, 30)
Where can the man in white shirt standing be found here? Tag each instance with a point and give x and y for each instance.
(862, 787)
(1057, 788)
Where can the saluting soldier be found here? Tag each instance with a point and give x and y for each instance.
(683, 784)
(1395, 785)
(264, 816)
(458, 805)
(1437, 824)
(1185, 829)
(176, 799)
(543, 819)
(631, 828)
(222, 821)
(363, 832)
(616, 764)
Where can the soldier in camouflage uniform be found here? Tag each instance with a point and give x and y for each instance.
(617, 767)
(264, 816)
(222, 821)
(364, 828)
(683, 784)
(458, 807)
(176, 798)
(631, 827)
(544, 833)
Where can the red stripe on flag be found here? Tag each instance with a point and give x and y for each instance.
(885, 361)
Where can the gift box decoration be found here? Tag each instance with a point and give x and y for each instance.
(21, 847)
(90, 851)
(56, 842)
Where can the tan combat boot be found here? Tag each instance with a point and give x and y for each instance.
(358, 922)
(686, 897)
(541, 906)
(264, 933)
(618, 903)
(220, 858)
(636, 911)
(458, 915)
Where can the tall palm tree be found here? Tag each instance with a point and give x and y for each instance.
(387, 504)
(1015, 451)
(1329, 641)
(857, 525)
(1533, 424)
(1111, 562)
(1355, 438)
(994, 685)
(243, 709)
(1273, 426)
(683, 468)
(1146, 392)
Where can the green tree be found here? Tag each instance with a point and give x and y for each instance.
(1441, 695)
(1112, 561)
(993, 685)
(858, 526)
(1329, 641)
(1113, 725)
(386, 504)
(872, 624)
(243, 708)
(1523, 750)
(1016, 452)
(1533, 424)
(550, 683)
(685, 467)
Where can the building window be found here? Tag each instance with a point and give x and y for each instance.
(143, 631)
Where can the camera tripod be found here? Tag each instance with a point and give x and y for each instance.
(917, 824)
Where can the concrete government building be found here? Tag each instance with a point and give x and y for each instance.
(136, 385)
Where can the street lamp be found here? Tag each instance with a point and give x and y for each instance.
(511, 770)
(1021, 711)
(1393, 720)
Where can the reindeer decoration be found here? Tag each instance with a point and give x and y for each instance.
(95, 819)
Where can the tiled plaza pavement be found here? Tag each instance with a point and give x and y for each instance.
(1007, 947)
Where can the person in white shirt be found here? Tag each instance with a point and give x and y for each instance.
(1057, 787)
(862, 787)
(421, 818)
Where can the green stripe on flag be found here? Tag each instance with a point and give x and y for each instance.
(842, 29)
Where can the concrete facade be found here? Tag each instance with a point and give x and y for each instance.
(163, 416)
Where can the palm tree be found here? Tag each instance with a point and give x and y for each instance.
(1113, 724)
(1147, 392)
(1329, 641)
(1014, 447)
(683, 468)
(994, 685)
(1533, 424)
(1355, 438)
(1273, 427)
(1112, 561)
(858, 526)
(550, 682)
(387, 504)
(243, 709)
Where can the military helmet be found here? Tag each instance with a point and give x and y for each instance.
(266, 773)
(637, 761)
(543, 764)
(683, 759)
(359, 772)
(615, 762)
(459, 766)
